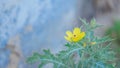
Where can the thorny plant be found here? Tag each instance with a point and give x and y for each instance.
(83, 50)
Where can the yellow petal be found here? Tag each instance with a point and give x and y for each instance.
(76, 30)
(82, 34)
(68, 38)
(69, 33)
(75, 39)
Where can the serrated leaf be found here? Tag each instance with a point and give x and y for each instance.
(83, 21)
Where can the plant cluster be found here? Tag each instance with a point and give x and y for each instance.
(83, 50)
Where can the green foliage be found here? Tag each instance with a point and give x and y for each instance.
(114, 31)
(97, 55)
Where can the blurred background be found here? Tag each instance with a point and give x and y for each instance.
(28, 26)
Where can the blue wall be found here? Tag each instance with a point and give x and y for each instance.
(39, 24)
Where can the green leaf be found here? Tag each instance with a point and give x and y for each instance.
(83, 21)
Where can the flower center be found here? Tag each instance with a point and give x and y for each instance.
(74, 35)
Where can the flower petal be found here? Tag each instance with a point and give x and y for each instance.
(68, 38)
(75, 39)
(69, 33)
(76, 30)
(82, 34)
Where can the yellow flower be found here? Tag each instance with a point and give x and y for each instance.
(74, 36)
